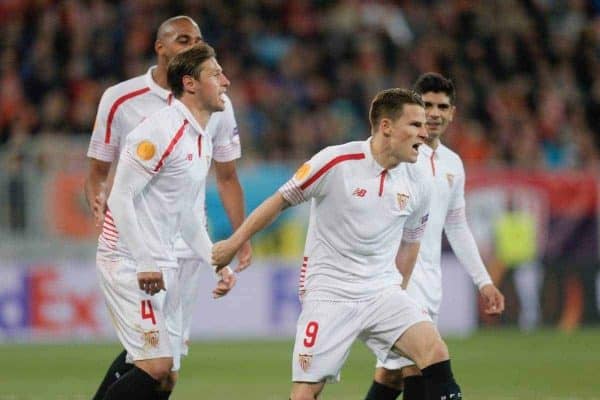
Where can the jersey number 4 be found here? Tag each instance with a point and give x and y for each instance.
(147, 311)
(312, 328)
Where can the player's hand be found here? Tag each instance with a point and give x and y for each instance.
(151, 282)
(493, 299)
(244, 256)
(222, 253)
(225, 284)
(99, 208)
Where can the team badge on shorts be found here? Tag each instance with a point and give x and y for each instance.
(450, 178)
(402, 200)
(305, 360)
(151, 339)
(145, 150)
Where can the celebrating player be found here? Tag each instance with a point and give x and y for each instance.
(121, 109)
(365, 196)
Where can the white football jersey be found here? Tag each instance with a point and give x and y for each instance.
(359, 212)
(125, 105)
(447, 175)
(170, 155)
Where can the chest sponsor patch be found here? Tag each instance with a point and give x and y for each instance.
(145, 150)
(302, 172)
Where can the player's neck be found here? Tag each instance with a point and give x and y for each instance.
(433, 143)
(200, 114)
(159, 76)
(382, 154)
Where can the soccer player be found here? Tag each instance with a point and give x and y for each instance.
(365, 196)
(161, 170)
(121, 109)
(448, 214)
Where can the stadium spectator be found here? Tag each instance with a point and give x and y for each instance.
(527, 61)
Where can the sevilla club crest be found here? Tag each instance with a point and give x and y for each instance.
(402, 200)
(305, 361)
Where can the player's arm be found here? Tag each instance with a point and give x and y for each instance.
(135, 170)
(96, 188)
(232, 196)
(260, 218)
(406, 259)
(306, 183)
(195, 235)
(465, 248)
(102, 152)
(413, 232)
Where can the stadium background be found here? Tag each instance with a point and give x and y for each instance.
(302, 75)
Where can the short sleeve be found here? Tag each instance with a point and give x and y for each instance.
(310, 180)
(225, 137)
(104, 143)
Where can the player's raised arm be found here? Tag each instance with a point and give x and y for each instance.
(224, 251)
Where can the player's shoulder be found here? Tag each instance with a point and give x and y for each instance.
(161, 125)
(356, 148)
(125, 88)
(449, 155)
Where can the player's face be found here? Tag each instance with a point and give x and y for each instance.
(212, 85)
(439, 112)
(407, 133)
(182, 35)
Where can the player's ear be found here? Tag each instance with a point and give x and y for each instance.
(384, 126)
(452, 110)
(158, 46)
(188, 83)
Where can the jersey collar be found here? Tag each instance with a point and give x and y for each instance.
(159, 91)
(188, 115)
(428, 151)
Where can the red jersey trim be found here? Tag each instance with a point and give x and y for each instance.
(174, 141)
(331, 164)
(116, 105)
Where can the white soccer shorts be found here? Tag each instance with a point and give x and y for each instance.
(189, 285)
(396, 361)
(326, 331)
(138, 318)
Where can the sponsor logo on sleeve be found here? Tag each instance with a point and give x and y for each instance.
(302, 172)
(145, 150)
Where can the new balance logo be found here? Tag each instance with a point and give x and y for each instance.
(358, 192)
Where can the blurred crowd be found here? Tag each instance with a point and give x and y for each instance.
(303, 71)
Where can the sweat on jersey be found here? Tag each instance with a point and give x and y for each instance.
(359, 212)
(160, 173)
(126, 104)
(447, 175)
